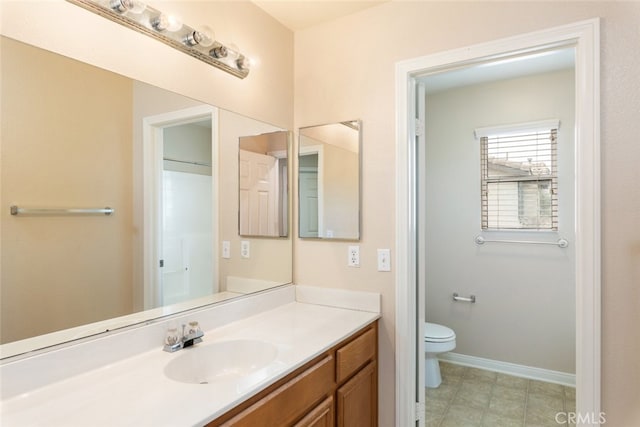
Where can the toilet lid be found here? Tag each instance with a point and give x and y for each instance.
(437, 333)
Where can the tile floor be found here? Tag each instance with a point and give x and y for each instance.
(470, 397)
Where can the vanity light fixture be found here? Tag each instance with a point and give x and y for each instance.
(169, 30)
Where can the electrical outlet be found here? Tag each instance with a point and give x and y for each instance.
(354, 256)
(226, 249)
(384, 260)
(245, 249)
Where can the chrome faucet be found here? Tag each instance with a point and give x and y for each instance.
(191, 334)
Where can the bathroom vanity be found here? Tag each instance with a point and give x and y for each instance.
(294, 355)
(340, 382)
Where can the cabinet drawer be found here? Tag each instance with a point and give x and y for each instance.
(357, 353)
(291, 400)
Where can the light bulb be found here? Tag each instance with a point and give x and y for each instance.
(229, 51)
(122, 6)
(243, 63)
(206, 35)
(233, 53)
(137, 7)
(220, 51)
(164, 22)
(203, 37)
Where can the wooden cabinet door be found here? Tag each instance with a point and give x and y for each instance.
(322, 415)
(357, 400)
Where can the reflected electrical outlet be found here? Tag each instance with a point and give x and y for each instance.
(245, 249)
(354, 256)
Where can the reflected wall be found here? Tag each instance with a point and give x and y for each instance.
(52, 266)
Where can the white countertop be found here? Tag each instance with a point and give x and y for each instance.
(135, 391)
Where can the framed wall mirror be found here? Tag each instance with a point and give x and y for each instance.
(78, 136)
(329, 181)
(263, 185)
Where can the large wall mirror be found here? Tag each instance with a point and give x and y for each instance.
(77, 136)
(329, 180)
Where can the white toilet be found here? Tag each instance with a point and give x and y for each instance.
(437, 339)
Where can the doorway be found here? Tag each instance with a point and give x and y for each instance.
(410, 312)
(311, 191)
(496, 206)
(187, 218)
(180, 150)
(308, 172)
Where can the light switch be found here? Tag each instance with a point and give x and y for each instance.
(384, 260)
(226, 249)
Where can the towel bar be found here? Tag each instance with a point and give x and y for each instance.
(15, 210)
(563, 243)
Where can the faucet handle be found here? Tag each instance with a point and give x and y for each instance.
(193, 328)
(192, 334)
(172, 337)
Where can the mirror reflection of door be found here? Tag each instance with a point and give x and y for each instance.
(309, 201)
(258, 194)
(187, 217)
(263, 209)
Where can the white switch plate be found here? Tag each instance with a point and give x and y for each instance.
(226, 249)
(354, 256)
(384, 260)
(245, 249)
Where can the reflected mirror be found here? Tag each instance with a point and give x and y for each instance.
(263, 180)
(77, 136)
(329, 181)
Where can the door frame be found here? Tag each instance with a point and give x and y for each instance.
(152, 127)
(585, 37)
(308, 150)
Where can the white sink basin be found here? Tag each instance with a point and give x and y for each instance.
(221, 362)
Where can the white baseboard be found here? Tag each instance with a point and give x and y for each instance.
(523, 371)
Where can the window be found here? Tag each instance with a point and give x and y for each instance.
(519, 177)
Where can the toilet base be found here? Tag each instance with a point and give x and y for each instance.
(432, 377)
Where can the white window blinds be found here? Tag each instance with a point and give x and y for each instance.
(519, 180)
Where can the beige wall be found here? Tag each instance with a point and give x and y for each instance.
(54, 275)
(340, 192)
(358, 81)
(265, 143)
